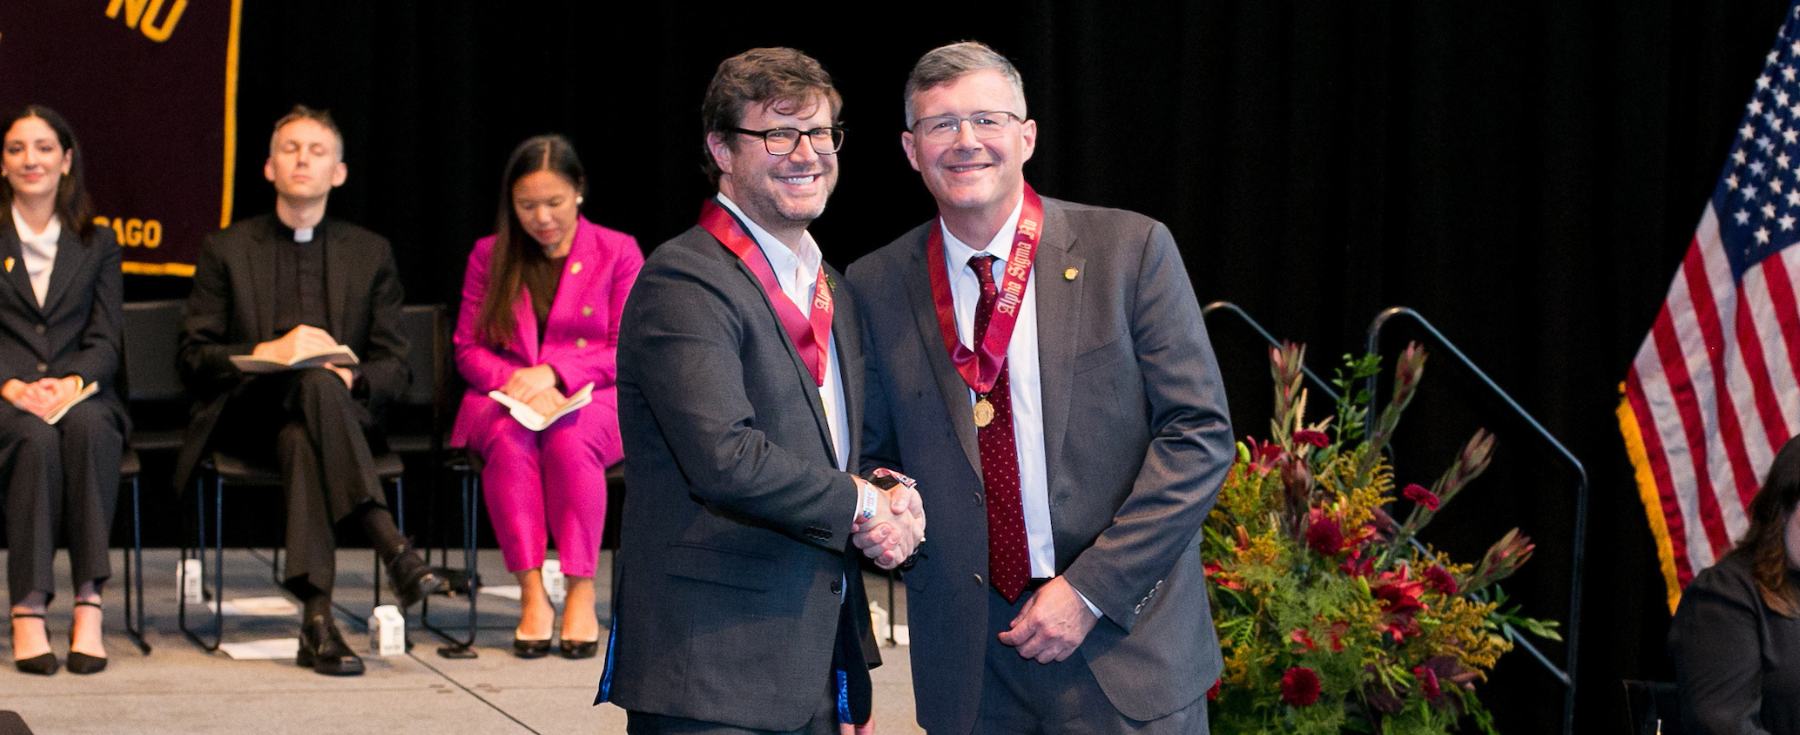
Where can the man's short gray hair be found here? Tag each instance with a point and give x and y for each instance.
(946, 64)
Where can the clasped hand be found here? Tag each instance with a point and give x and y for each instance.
(535, 386)
(40, 397)
(302, 340)
(896, 529)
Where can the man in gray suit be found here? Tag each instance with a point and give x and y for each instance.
(740, 605)
(1041, 367)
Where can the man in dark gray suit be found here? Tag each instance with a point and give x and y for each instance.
(740, 605)
(1041, 367)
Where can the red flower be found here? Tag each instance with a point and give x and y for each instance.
(1213, 693)
(1418, 494)
(1357, 566)
(1303, 638)
(1338, 629)
(1300, 686)
(1217, 573)
(1324, 534)
(1399, 598)
(1264, 456)
(1315, 438)
(1440, 579)
(1428, 682)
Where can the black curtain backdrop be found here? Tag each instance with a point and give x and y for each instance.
(1526, 175)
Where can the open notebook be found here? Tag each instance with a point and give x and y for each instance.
(80, 395)
(536, 421)
(339, 355)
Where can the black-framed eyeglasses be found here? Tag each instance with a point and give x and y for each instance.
(783, 141)
(943, 128)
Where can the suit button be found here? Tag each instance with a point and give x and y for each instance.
(581, 342)
(575, 267)
(837, 587)
(39, 328)
(978, 499)
(587, 311)
(42, 367)
(978, 581)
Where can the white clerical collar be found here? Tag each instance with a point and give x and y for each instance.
(957, 253)
(303, 234)
(781, 258)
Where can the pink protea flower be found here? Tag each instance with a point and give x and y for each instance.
(1428, 682)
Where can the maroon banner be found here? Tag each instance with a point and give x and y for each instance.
(150, 87)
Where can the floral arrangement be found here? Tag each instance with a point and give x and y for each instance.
(1331, 617)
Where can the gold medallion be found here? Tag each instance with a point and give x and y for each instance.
(984, 413)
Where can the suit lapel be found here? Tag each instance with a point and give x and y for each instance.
(69, 257)
(527, 332)
(1059, 320)
(337, 282)
(801, 371)
(261, 255)
(950, 385)
(578, 270)
(14, 252)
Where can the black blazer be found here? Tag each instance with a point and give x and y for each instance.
(79, 329)
(736, 530)
(232, 309)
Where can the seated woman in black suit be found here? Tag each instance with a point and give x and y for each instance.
(1736, 635)
(60, 312)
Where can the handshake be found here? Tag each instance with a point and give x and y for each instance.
(898, 525)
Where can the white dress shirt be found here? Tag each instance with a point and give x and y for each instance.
(38, 250)
(798, 274)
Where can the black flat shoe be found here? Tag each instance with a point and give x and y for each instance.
(526, 648)
(410, 577)
(81, 663)
(322, 648)
(579, 649)
(44, 664)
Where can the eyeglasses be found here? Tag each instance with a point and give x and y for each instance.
(783, 141)
(944, 128)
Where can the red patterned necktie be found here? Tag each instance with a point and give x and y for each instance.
(1009, 561)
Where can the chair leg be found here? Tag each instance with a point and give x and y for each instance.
(463, 648)
(218, 595)
(134, 575)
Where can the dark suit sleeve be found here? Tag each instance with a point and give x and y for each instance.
(686, 339)
(383, 365)
(205, 356)
(97, 358)
(1190, 442)
(1716, 649)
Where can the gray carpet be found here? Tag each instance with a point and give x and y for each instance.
(178, 688)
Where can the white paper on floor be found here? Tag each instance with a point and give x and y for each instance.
(275, 606)
(508, 591)
(266, 648)
(902, 636)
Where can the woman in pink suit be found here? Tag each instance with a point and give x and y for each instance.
(540, 320)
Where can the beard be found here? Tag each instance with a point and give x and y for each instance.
(764, 202)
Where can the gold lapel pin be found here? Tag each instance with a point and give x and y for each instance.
(9, 262)
(1070, 274)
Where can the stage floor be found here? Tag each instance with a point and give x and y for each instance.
(179, 688)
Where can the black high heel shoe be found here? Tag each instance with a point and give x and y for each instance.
(527, 648)
(81, 663)
(43, 664)
(579, 649)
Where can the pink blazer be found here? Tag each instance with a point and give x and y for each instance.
(581, 335)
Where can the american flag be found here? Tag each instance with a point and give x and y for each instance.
(1715, 389)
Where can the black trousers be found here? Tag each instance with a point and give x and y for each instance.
(62, 484)
(307, 423)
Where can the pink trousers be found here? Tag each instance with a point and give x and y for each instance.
(551, 481)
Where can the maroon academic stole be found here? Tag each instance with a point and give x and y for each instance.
(811, 337)
(980, 367)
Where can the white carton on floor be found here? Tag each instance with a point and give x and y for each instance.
(387, 631)
(190, 578)
(554, 582)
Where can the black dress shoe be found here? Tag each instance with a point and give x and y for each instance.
(527, 648)
(322, 648)
(81, 663)
(410, 577)
(579, 649)
(44, 664)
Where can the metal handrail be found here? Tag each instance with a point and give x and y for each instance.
(1567, 673)
(1232, 308)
